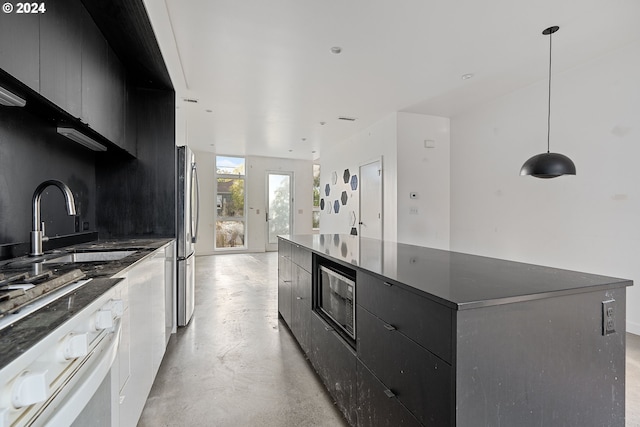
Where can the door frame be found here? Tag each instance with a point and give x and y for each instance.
(270, 247)
(379, 161)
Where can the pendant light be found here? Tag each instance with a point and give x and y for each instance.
(548, 165)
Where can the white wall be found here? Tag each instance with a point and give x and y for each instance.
(589, 222)
(255, 185)
(378, 140)
(424, 221)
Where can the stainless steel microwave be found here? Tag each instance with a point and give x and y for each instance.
(337, 299)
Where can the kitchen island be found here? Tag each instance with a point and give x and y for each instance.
(449, 339)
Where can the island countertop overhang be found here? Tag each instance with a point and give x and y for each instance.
(458, 280)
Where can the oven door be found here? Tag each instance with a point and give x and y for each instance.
(88, 398)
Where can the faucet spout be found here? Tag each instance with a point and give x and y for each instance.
(37, 231)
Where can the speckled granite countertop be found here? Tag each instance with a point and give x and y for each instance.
(23, 334)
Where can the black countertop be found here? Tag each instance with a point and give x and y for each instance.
(458, 280)
(23, 334)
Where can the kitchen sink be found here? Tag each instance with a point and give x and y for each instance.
(89, 257)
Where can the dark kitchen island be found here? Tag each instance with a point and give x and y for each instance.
(441, 338)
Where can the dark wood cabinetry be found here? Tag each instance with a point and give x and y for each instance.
(424, 321)
(20, 47)
(102, 84)
(284, 280)
(301, 306)
(421, 381)
(378, 406)
(335, 362)
(61, 55)
(460, 340)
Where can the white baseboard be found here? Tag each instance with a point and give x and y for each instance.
(633, 328)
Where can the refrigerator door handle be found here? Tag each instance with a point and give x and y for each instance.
(195, 215)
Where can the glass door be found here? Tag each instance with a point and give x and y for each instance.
(279, 204)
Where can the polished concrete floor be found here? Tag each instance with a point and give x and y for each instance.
(236, 364)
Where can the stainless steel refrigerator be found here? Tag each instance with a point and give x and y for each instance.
(188, 206)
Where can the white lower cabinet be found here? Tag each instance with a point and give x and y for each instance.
(144, 331)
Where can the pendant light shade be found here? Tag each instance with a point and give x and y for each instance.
(548, 165)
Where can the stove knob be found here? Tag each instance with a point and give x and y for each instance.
(103, 320)
(74, 346)
(29, 388)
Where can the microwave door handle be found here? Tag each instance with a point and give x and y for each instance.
(196, 214)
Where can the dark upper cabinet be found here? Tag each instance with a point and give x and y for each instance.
(96, 78)
(60, 55)
(20, 47)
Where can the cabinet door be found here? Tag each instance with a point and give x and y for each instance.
(20, 47)
(95, 62)
(301, 306)
(335, 362)
(103, 99)
(284, 288)
(60, 55)
(377, 405)
(421, 381)
(284, 281)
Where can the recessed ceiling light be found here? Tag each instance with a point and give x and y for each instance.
(467, 76)
(336, 50)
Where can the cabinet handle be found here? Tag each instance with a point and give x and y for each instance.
(286, 281)
(389, 327)
(328, 328)
(388, 284)
(389, 393)
(298, 298)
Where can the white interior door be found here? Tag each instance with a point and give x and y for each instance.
(279, 207)
(371, 200)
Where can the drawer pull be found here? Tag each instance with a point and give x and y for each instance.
(388, 284)
(389, 327)
(328, 328)
(286, 281)
(389, 393)
(298, 298)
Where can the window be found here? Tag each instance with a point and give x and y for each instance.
(315, 214)
(230, 202)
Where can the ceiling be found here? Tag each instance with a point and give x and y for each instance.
(267, 83)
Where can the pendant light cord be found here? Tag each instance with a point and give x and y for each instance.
(549, 103)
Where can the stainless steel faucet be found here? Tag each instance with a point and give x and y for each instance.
(37, 233)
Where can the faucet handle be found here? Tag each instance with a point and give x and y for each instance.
(44, 237)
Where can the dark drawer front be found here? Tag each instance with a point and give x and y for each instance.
(302, 257)
(301, 307)
(377, 406)
(284, 268)
(284, 300)
(421, 319)
(420, 380)
(284, 248)
(335, 362)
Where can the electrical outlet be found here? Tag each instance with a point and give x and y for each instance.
(608, 317)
